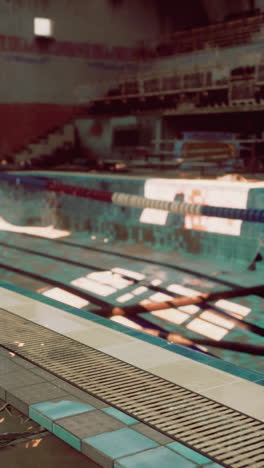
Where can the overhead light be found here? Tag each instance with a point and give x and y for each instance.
(43, 27)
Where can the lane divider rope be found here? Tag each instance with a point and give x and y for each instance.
(135, 201)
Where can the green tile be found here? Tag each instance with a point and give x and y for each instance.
(150, 338)
(120, 415)
(216, 363)
(88, 315)
(67, 437)
(103, 321)
(214, 465)
(154, 458)
(120, 443)
(188, 453)
(40, 419)
(187, 352)
(114, 326)
(260, 382)
(62, 409)
(136, 333)
(42, 407)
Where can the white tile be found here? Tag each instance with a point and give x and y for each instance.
(47, 315)
(243, 396)
(143, 355)
(9, 298)
(192, 375)
(70, 325)
(33, 309)
(99, 337)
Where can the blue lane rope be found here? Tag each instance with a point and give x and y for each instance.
(248, 215)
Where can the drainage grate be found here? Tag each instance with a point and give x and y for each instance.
(218, 432)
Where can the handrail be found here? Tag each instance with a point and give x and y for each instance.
(220, 35)
(216, 26)
(162, 74)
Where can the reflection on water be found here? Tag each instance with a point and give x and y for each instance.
(65, 297)
(49, 231)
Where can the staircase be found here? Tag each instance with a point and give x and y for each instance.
(54, 148)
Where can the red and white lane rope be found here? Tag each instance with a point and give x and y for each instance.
(135, 201)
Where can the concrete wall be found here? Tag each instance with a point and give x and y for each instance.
(96, 21)
(96, 135)
(259, 4)
(94, 40)
(91, 39)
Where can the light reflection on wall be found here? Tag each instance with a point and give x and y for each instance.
(48, 232)
(237, 310)
(65, 297)
(205, 322)
(129, 273)
(125, 298)
(171, 315)
(126, 322)
(105, 283)
(110, 278)
(210, 316)
(207, 329)
(94, 287)
(206, 192)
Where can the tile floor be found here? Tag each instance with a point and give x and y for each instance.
(106, 435)
(93, 427)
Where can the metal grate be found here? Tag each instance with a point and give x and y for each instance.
(217, 431)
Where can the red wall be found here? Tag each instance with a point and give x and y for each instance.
(21, 124)
(66, 49)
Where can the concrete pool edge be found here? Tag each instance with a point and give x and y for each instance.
(230, 368)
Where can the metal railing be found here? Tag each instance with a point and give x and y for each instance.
(236, 32)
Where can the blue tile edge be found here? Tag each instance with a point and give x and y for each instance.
(59, 432)
(104, 442)
(123, 417)
(225, 366)
(188, 453)
(40, 419)
(67, 437)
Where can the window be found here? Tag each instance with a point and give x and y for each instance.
(43, 27)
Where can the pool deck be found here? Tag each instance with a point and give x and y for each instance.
(94, 426)
(106, 435)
